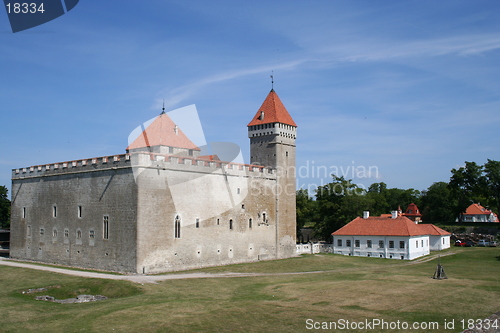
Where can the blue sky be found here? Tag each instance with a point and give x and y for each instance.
(408, 88)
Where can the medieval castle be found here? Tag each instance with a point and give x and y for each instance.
(162, 206)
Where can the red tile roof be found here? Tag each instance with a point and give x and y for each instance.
(162, 131)
(383, 226)
(412, 210)
(273, 112)
(477, 209)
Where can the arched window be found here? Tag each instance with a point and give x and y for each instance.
(177, 227)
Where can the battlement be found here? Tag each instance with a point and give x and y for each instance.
(137, 159)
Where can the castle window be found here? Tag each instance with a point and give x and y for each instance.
(217, 221)
(105, 227)
(42, 231)
(243, 206)
(238, 191)
(401, 244)
(391, 244)
(230, 224)
(264, 217)
(54, 211)
(286, 154)
(54, 233)
(66, 233)
(80, 211)
(369, 243)
(28, 231)
(197, 223)
(78, 234)
(91, 234)
(250, 223)
(177, 227)
(24, 212)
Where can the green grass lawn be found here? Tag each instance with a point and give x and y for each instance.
(355, 289)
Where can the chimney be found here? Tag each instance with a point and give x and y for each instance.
(366, 214)
(394, 214)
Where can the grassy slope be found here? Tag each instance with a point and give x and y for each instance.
(359, 288)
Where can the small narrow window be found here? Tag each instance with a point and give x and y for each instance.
(238, 191)
(42, 231)
(243, 206)
(66, 233)
(250, 223)
(105, 227)
(54, 233)
(197, 223)
(80, 211)
(177, 227)
(54, 211)
(28, 231)
(218, 221)
(24, 212)
(78, 234)
(91, 234)
(230, 224)
(416, 244)
(264, 217)
(422, 243)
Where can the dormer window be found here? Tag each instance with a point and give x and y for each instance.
(176, 130)
(261, 117)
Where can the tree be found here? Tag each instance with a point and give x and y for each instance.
(305, 210)
(338, 203)
(437, 204)
(467, 185)
(492, 172)
(4, 208)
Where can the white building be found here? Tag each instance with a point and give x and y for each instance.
(394, 237)
(477, 213)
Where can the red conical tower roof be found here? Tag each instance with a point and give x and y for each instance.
(272, 111)
(162, 132)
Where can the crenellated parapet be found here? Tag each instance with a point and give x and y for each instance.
(141, 160)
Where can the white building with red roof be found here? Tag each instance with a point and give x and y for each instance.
(477, 213)
(394, 237)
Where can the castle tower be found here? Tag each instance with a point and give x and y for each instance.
(272, 134)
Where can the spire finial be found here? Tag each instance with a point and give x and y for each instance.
(272, 80)
(163, 108)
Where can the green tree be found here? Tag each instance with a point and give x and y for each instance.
(338, 203)
(437, 204)
(4, 208)
(467, 185)
(492, 173)
(305, 210)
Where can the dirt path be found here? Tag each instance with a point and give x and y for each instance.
(156, 278)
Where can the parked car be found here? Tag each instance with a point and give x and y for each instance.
(459, 242)
(483, 242)
(493, 243)
(469, 243)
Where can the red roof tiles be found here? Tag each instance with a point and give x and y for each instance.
(383, 226)
(272, 111)
(477, 209)
(162, 132)
(412, 210)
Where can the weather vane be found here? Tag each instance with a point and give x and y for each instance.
(163, 108)
(272, 80)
